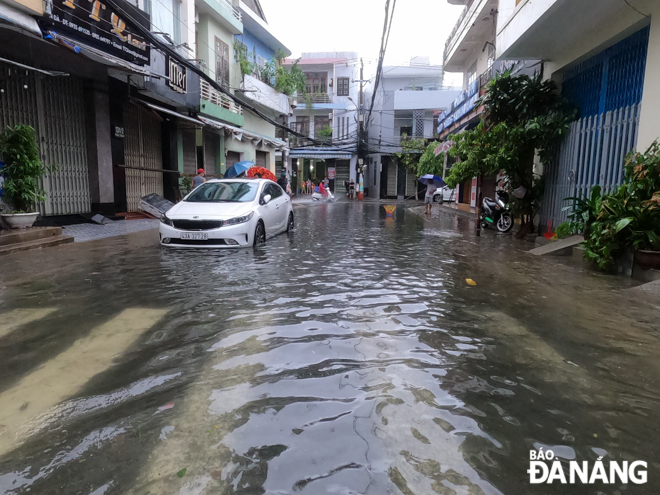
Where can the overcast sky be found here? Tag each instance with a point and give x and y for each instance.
(420, 27)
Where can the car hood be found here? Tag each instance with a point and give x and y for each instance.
(222, 211)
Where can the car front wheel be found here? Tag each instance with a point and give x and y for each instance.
(259, 234)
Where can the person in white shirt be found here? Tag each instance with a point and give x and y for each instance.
(431, 188)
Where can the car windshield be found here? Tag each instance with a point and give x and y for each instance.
(224, 192)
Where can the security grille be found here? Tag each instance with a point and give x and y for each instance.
(142, 154)
(607, 90)
(64, 146)
(54, 107)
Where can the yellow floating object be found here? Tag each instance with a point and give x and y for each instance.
(470, 281)
(389, 209)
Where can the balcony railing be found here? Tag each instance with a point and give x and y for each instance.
(315, 98)
(219, 99)
(232, 9)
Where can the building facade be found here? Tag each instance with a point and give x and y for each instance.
(119, 110)
(407, 105)
(328, 113)
(606, 64)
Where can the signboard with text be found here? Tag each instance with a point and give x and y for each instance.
(97, 25)
(177, 76)
(332, 173)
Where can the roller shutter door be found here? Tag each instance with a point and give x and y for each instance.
(342, 173)
(142, 154)
(54, 106)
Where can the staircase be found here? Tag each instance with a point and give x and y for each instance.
(16, 240)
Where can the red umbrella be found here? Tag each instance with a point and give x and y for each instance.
(263, 172)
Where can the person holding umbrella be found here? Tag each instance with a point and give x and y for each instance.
(432, 182)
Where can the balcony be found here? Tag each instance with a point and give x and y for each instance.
(262, 93)
(320, 101)
(223, 12)
(473, 28)
(216, 104)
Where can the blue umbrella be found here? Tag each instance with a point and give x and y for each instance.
(432, 179)
(238, 169)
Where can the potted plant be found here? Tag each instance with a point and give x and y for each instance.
(629, 218)
(22, 171)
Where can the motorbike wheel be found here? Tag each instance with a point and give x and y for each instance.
(505, 223)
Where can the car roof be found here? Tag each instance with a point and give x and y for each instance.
(241, 179)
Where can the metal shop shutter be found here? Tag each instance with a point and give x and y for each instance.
(261, 159)
(392, 171)
(65, 147)
(55, 108)
(210, 151)
(189, 141)
(342, 173)
(232, 158)
(411, 185)
(142, 154)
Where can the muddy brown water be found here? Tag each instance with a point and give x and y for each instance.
(348, 357)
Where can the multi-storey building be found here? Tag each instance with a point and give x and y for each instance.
(227, 33)
(328, 112)
(117, 105)
(408, 101)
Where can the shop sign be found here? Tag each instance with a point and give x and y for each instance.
(118, 132)
(177, 76)
(98, 25)
(332, 173)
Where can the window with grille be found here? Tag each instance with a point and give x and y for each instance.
(343, 86)
(221, 62)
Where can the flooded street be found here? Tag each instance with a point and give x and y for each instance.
(348, 357)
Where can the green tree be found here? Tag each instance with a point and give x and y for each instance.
(290, 81)
(524, 117)
(429, 163)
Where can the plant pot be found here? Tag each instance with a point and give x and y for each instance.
(648, 259)
(20, 220)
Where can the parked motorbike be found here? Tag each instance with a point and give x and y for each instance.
(497, 213)
(330, 198)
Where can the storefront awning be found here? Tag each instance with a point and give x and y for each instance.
(97, 55)
(241, 134)
(173, 113)
(19, 21)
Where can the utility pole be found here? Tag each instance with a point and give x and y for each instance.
(360, 148)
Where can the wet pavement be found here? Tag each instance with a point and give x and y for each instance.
(348, 357)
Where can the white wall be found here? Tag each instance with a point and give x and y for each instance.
(649, 124)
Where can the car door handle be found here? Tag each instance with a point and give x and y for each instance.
(277, 207)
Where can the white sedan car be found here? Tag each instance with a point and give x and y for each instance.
(444, 195)
(228, 213)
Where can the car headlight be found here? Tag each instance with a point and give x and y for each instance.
(237, 220)
(165, 219)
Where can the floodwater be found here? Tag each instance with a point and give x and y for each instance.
(350, 357)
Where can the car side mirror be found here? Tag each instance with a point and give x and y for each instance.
(266, 199)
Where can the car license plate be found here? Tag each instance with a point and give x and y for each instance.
(195, 236)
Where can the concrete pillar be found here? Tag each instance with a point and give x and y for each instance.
(649, 123)
(99, 148)
(222, 157)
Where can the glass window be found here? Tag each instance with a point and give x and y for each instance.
(165, 17)
(343, 86)
(274, 190)
(224, 192)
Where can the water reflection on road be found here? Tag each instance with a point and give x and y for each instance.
(348, 357)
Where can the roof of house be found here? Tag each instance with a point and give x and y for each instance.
(255, 6)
